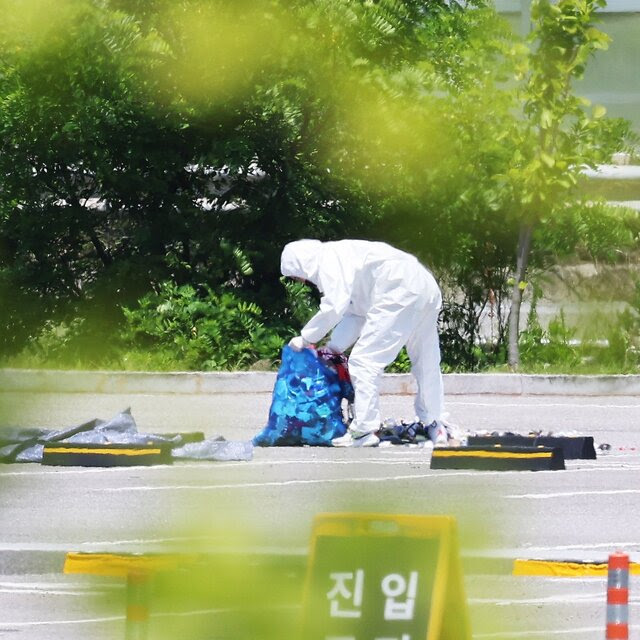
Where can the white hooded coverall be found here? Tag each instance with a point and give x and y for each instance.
(381, 299)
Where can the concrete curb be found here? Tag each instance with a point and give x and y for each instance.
(133, 382)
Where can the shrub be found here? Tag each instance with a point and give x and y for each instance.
(198, 329)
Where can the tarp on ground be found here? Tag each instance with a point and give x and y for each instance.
(27, 445)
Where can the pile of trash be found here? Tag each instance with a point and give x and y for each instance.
(307, 402)
(402, 432)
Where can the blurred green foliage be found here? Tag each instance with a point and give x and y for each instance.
(161, 153)
(231, 596)
(607, 342)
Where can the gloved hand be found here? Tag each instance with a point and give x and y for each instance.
(332, 347)
(298, 343)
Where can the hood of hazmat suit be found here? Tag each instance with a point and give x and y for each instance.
(352, 275)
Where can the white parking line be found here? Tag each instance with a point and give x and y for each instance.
(569, 598)
(52, 472)
(542, 404)
(441, 475)
(259, 485)
(549, 633)
(412, 455)
(169, 614)
(432, 476)
(400, 458)
(44, 623)
(199, 612)
(587, 547)
(573, 494)
(58, 588)
(52, 592)
(104, 545)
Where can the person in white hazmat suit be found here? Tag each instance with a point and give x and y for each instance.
(378, 299)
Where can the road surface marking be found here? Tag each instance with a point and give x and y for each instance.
(52, 592)
(44, 623)
(573, 494)
(7, 626)
(432, 475)
(411, 456)
(567, 547)
(542, 404)
(254, 485)
(402, 456)
(551, 633)
(578, 598)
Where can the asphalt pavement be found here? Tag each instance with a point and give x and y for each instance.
(264, 508)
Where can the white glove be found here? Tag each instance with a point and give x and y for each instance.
(331, 347)
(298, 343)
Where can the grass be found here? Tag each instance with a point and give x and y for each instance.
(581, 369)
(148, 362)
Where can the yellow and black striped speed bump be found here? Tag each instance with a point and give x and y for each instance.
(105, 455)
(497, 458)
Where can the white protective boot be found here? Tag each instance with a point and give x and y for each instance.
(351, 439)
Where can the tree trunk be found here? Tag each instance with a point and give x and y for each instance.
(101, 250)
(103, 254)
(522, 260)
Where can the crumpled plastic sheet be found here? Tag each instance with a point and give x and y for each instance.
(306, 406)
(214, 449)
(27, 445)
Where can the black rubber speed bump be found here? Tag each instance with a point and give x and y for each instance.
(573, 448)
(498, 458)
(105, 455)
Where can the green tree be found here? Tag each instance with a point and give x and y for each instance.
(190, 140)
(557, 139)
(92, 175)
(185, 142)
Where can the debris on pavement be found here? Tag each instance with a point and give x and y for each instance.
(306, 406)
(27, 445)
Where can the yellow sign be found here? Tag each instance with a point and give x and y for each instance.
(384, 577)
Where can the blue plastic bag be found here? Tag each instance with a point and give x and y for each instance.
(306, 407)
